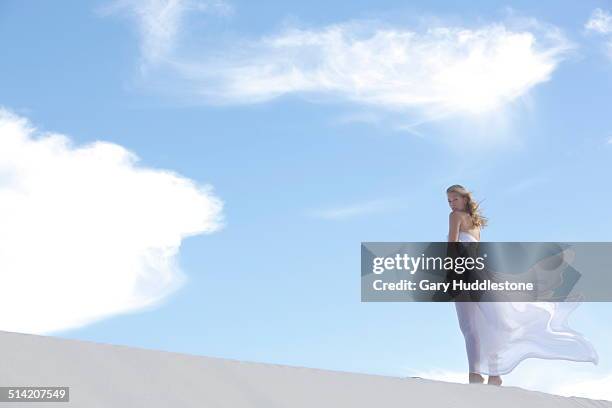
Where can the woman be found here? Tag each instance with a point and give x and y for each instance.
(499, 335)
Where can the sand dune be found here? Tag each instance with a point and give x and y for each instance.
(103, 375)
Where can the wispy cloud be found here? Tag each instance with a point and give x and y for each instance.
(87, 232)
(160, 22)
(368, 117)
(601, 22)
(355, 210)
(437, 71)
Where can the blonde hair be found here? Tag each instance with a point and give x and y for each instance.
(471, 206)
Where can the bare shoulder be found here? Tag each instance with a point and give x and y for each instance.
(456, 216)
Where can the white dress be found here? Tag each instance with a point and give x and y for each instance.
(499, 335)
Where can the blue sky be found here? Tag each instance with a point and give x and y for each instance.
(309, 163)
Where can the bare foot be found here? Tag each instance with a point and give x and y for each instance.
(495, 380)
(476, 378)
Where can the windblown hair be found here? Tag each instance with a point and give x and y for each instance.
(472, 207)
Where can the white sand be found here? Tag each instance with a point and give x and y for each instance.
(110, 376)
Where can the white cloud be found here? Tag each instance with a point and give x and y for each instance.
(368, 117)
(444, 70)
(437, 71)
(600, 21)
(87, 232)
(160, 22)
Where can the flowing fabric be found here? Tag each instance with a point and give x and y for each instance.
(499, 335)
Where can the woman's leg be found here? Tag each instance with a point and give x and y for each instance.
(493, 313)
(495, 380)
(466, 313)
(476, 378)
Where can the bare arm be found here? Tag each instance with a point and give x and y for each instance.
(454, 222)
